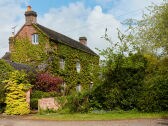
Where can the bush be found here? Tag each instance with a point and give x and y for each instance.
(47, 82)
(78, 103)
(16, 86)
(5, 68)
(123, 78)
(34, 103)
(154, 94)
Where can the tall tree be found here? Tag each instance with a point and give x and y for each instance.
(151, 33)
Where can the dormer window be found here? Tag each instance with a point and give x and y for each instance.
(78, 67)
(62, 63)
(35, 39)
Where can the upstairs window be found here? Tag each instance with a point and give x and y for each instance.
(62, 63)
(78, 67)
(35, 39)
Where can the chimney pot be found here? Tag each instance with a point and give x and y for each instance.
(29, 8)
(83, 40)
(30, 16)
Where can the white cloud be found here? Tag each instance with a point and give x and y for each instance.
(131, 8)
(11, 16)
(76, 20)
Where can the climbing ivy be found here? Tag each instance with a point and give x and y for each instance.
(49, 52)
(89, 67)
(28, 53)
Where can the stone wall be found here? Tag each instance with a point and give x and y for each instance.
(48, 103)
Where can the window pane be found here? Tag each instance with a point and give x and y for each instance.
(78, 67)
(78, 88)
(62, 64)
(35, 39)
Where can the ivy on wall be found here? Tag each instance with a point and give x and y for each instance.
(50, 53)
(89, 67)
(28, 53)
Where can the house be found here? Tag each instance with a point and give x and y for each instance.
(53, 52)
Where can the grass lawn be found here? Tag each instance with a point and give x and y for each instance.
(100, 116)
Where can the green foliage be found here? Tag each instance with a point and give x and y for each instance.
(16, 86)
(154, 93)
(48, 52)
(150, 33)
(88, 62)
(26, 52)
(123, 80)
(78, 103)
(135, 74)
(5, 68)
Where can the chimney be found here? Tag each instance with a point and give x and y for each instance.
(83, 40)
(30, 16)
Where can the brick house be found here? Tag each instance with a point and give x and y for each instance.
(53, 52)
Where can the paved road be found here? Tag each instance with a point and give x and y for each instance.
(137, 122)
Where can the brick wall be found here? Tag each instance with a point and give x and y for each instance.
(26, 31)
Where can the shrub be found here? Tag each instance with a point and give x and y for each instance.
(5, 68)
(47, 82)
(123, 78)
(16, 86)
(154, 94)
(78, 103)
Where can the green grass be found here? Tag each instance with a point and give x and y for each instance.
(101, 116)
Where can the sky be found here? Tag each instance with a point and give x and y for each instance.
(73, 18)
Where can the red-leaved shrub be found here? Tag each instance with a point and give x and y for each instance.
(47, 82)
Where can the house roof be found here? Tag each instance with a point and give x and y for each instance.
(64, 39)
(7, 56)
(20, 66)
(17, 66)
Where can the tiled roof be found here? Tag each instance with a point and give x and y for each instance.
(20, 66)
(17, 66)
(64, 39)
(6, 56)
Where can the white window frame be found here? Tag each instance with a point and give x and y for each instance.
(78, 67)
(62, 63)
(78, 87)
(35, 40)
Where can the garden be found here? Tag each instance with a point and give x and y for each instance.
(133, 81)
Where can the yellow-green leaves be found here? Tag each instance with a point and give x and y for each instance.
(16, 87)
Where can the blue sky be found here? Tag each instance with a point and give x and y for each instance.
(73, 18)
(45, 5)
(107, 5)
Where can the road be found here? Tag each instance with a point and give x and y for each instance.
(136, 122)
